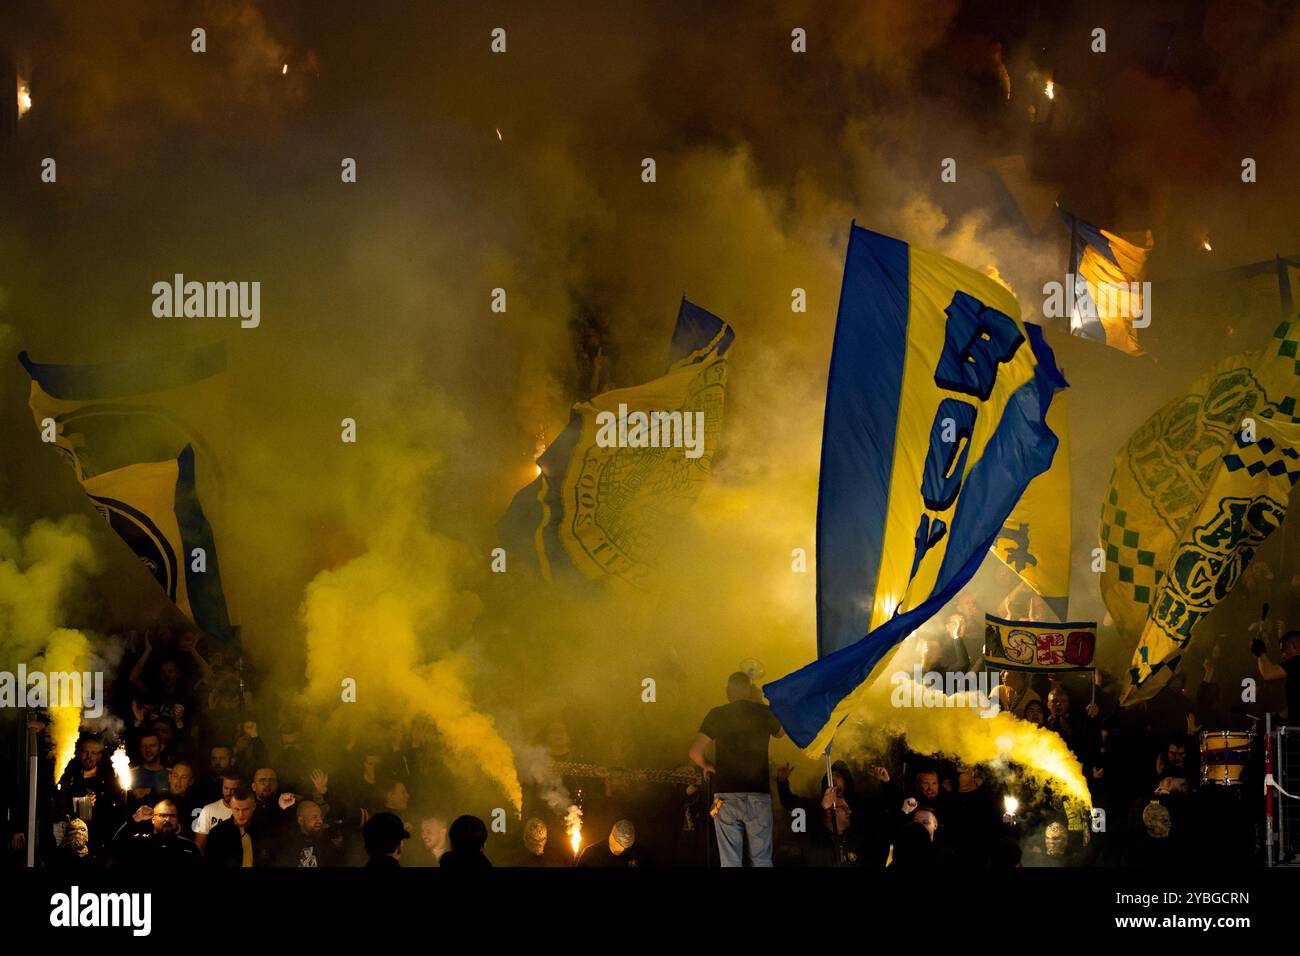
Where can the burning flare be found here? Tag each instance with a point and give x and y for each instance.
(573, 827)
(24, 98)
(1050, 90)
(121, 767)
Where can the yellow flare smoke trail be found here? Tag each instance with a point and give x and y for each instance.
(37, 571)
(369, 621)
(67, 652)
(955, 728)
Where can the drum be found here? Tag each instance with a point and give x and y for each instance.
(1224, 755)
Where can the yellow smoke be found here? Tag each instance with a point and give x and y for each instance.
(953, 725)
(380, 628)
(366, 623)
(68, 651)
(963, 733)
(748, 214)
(38, 571)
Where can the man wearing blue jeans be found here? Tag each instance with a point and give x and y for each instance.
(739, 731)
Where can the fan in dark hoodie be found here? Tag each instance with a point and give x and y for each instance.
(383, 835)
(843, 828)
(468, 836)
(971, 817)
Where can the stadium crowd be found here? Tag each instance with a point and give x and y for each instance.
(209, 786)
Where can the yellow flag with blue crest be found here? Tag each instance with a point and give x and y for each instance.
(935, 423)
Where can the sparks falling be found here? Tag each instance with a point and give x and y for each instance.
(540, 448)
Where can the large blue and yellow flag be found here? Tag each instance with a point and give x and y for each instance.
(1035, 541)
(1109, 300)
(123, 429)
(935, 423)
(627, 467)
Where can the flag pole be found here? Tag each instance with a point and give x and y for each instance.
(830, 783)
(33, 774)
(1070, 278)
(1288, 311)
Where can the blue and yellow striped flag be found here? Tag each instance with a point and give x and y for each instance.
(1110, 297)
(120, 426)
(935, 424)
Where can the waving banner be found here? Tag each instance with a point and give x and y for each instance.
(1194, 493)
(127, 429)
(1110, 298)
(1035, 540)
(1033, 646)
(628, 467)
(936, 421)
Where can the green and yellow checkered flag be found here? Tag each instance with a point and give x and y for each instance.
(1191, 499)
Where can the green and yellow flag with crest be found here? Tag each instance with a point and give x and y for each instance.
(1195, 491)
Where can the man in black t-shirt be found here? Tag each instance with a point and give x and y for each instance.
(739, 731)
(1288, 670)
(310, 844)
